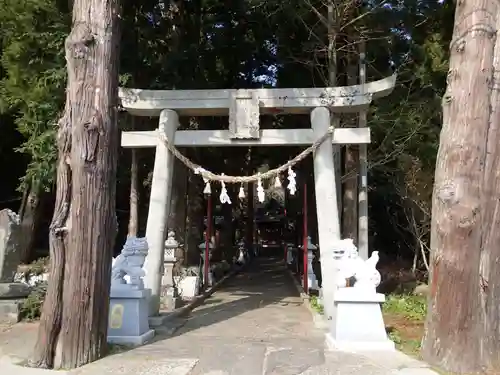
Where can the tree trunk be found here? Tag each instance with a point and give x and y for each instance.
(177, 220)
(351, 167)
(24, 202)
(462, 321)
(133, 221)
(332, 82)
(194, 221)
(177, 217)
(92, 53)
(29, 220)
(51, 319)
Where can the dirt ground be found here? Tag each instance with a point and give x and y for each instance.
(18, 340)
(406, 333)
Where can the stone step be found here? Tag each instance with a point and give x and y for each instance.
(291, 361)
(10, 311)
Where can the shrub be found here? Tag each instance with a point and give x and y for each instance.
(31, 307)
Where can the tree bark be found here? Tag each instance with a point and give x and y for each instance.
(92, 55)
(462, 321)
(133, 221)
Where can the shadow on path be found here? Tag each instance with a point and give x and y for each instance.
(264, 284)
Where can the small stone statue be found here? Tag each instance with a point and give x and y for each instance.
(129, 263)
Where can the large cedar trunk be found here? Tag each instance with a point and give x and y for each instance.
(462, 332)
(88, 142)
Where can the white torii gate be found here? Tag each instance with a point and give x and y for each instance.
(244, 107)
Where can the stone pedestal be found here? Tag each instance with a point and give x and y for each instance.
(358, 324)
(11, 293)
(14, 290)
(128, 316)
(11, 297)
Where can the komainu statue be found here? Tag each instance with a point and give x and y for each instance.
(351, 265)
(128, 265)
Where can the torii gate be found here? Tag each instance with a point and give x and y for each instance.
(244, 107)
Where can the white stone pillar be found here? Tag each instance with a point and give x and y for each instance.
(159, 206)
(326, 207)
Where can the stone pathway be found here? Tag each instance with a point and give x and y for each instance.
(255, 325)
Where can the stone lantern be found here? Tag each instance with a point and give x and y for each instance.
(170, 296)
(312, 282)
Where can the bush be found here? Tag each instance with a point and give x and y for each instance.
(31, 307)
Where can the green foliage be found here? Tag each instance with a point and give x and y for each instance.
(31, 307)
(316, 305)
(408, 306)
(32, 38)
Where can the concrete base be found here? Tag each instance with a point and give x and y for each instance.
(128, 316)
(358, 324)
(358, 346)
(132, 340)
(10, 311)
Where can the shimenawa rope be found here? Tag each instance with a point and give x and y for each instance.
(244, 179)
